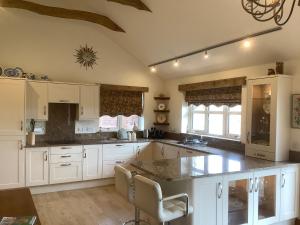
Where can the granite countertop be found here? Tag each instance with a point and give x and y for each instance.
(202, 166)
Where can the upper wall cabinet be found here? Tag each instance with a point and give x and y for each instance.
(89, 102)
(12, 102)
(63, 93)
(268, 117)
(37, 101)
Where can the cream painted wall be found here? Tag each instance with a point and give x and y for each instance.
(292, 67)
(46, 45)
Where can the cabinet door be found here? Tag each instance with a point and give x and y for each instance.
(109, 167)
(266, 196)
(37, 166)
(37, 101)
(12, 101)
(144, 151)
(207, 201)
(65, 172)
(12, 163)
(92, 162)
(158, 151)
(89, 102)
(261, 116)
(238, 199)
(63, 93)
(289, 193)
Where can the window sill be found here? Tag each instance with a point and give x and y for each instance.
(215, 137)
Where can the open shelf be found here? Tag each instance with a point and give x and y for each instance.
(162, 98)
(161, 124)
(161, 111)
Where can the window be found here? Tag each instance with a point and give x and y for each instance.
(107, 123)
(221, 121)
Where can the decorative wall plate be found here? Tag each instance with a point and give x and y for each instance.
(10, 72)
(0, 71)
(161, 118)
(161, 106)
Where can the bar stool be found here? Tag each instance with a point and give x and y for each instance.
(148, 198)
(125, 187)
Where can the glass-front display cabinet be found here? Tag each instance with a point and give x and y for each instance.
(268, 117)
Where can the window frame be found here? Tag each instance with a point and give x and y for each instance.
(226, 113)
(119, 124)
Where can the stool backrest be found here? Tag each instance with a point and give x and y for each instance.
(123, 182)
(148, 196)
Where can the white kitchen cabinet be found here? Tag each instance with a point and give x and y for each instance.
(37, 100)
(89, 102)
(12, 162)
(92, 162)
(143, 151)
(158, 151)
(37, 166)
(12, 102)
(268, 117)
(65, 172)
(116, 154)
(289, 193)
(207, 201)
(63, 93)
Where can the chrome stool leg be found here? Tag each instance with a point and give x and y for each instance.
(137, 220)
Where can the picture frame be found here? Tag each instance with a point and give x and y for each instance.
(295, 111)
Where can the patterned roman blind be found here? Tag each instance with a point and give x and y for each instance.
(121, 100)
(219, 92)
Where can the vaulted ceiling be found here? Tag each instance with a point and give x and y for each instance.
(176, 27)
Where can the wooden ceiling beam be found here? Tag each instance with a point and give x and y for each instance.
(62, 13)
(138, 4)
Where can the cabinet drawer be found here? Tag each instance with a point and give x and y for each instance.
(65, 172)
(109, 167)
(62, 150)
(65, 158)
(260, 154)
(118, 151)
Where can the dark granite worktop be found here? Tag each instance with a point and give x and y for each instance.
(203, 166)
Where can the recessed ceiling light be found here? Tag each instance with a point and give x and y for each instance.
(206, 56)
(247, 44)
(153, 69)
(176, 63)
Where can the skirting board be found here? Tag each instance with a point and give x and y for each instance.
(71, 186)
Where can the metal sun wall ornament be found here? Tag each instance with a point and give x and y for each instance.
(265, 10)
(86, 57)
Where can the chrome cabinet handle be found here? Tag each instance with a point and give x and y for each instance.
(82, 110)
(119, 162)
(248, 137)
(119, 145)
(283, 181)
(66, 164)
(84, 154)
(45, 156)
(256, 184)
(220, 190)
(21, 125)
(65, 148)
(45, 110)
(20, 145)
(251, 185)
(178, 155)
(65, 156)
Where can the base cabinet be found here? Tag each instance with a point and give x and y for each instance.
(65, 172)
(12, 163)
(37, 166)
(289, 193)
(144, 151)
(92, 162)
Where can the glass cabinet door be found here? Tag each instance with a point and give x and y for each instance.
(238, 199)
(261, 113)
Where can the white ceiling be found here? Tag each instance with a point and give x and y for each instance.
(176, 27)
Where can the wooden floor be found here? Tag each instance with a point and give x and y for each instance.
(95, 206)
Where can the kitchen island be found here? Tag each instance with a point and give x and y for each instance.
(228, 190)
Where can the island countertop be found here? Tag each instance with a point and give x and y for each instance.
(203, 166)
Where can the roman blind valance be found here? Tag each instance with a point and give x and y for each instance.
(121, 100)
(219, 92)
